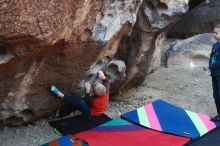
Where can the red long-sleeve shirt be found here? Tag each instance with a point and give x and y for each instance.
(99, 104)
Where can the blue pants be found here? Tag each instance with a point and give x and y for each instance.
(216, 92)
(74, 102)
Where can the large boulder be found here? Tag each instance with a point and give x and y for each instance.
(201, 19)
(67, 42)
(59, 42)
(191, 53)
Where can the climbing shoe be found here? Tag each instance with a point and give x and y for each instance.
(56, 91)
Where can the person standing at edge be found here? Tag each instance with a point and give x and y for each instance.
(214, 68)
(91, 105)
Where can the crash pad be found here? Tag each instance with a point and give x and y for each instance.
(165, 117)
(67, 140)
(211, 139)
(78, 123)
(119, 132)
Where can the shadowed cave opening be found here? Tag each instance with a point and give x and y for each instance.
(5, 53)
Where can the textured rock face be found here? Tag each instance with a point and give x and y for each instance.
(192, 52)
(155, 15)
(67, 42)
(58, 42)
(201, 19)
(141, 50)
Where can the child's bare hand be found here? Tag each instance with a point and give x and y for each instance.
(102, 75)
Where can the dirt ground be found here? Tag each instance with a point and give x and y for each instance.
(189, 88)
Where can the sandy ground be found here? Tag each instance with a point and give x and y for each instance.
(189, 88)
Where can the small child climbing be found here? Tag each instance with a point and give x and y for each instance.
(91, 105)
(214, 67)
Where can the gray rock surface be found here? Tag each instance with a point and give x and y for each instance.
(192, 52)
(200, 19)
(140, 49)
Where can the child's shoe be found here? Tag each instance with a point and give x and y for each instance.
(57, 132)
(56, 91)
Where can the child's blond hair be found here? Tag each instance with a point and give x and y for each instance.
(99, 89)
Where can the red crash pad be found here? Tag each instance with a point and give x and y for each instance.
(119, 132)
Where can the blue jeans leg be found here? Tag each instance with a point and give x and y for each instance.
(77, 103)
(66, 111)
